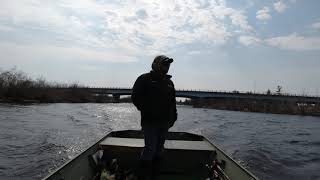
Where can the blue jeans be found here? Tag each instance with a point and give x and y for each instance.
(154, 139)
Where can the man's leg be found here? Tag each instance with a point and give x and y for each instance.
(148, 152)
(150, 143)
(162, 135)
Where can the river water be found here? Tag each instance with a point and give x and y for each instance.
(36, 139)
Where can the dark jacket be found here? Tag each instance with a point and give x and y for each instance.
(155, 99)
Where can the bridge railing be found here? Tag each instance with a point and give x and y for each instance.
(213, 91)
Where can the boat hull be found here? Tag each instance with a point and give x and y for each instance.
(186, 156)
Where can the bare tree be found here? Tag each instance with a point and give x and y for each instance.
(279, 90)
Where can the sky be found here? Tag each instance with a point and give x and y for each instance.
(218, 45)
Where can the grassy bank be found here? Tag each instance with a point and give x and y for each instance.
(16, 86)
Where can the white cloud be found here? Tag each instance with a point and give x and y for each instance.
(249, 40)
(31, 12)
(49, 17)
(135, 27)
(239, 19)
(280, 6)
(170, 24)
(295, 42)
(316, 25)
(263, 14)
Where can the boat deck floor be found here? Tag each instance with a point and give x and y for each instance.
(182, 159)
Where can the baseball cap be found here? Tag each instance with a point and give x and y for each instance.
(164, 59)
(161, 59)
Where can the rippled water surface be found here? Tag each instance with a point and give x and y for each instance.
(36, 139)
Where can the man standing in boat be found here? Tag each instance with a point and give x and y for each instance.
(154, 96)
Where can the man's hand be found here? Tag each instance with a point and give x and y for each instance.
(171, 124)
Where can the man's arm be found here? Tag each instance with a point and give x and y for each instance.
(174, 111)
(138, 92)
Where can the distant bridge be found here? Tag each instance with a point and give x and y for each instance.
(117, 92)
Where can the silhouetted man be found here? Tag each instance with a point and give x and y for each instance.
(154, 96)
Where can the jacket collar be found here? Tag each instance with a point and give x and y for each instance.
(157, 76)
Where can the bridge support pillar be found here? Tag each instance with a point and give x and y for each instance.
(116, 98)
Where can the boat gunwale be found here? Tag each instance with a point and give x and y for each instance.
(231, 159)
(80, 154)
(111, 133)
